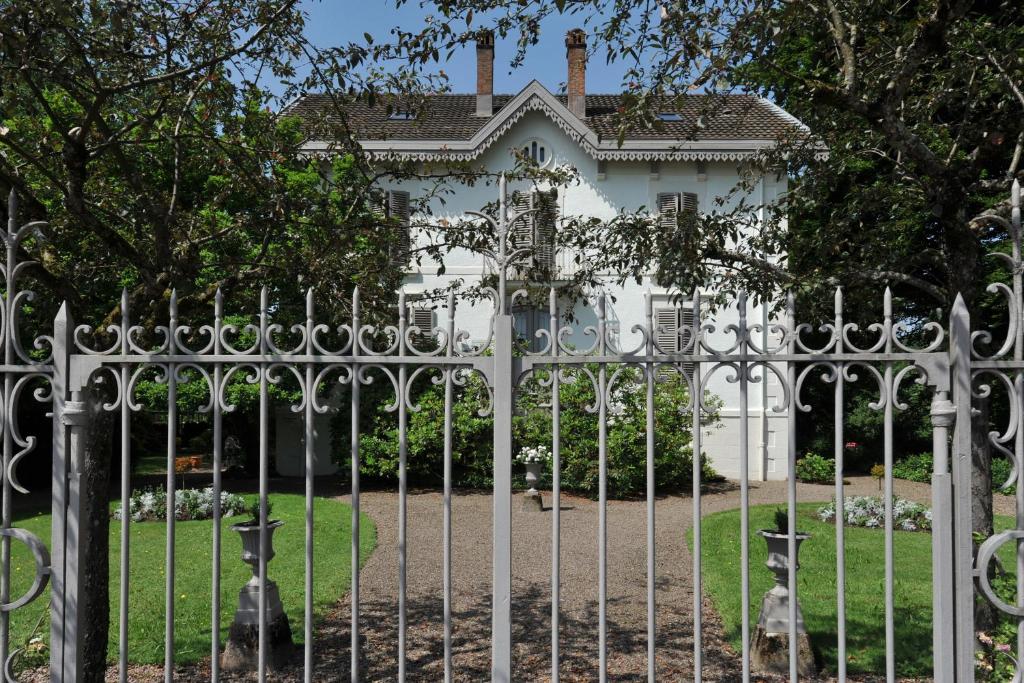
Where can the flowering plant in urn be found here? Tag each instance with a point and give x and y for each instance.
(533, 458)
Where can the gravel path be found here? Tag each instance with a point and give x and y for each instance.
(471, 516)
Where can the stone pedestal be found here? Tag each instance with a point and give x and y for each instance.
(769, 654)
(769, 646)
(533, 501)
(242, 650)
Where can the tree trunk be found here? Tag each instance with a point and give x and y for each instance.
(95, 534)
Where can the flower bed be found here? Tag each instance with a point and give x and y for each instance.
(189, 504)
(869, 512)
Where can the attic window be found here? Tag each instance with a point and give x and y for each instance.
(402, 116)
(669, 116)
(537, 151)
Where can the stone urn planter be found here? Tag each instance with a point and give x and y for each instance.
(242, 650)
(769, 649)
(532, 477)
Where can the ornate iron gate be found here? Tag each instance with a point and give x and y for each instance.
(948, 363)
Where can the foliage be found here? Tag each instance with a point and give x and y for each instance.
(189, 504)
(869, 512)
(919, 468)
(878, 472)
(814, 469)
(781, 519)
(472, 435)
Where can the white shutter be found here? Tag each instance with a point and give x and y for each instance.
(423, 318)
(669, 204)
(666, 328)
(686, 322)
(521, 235)
(398, 217)
(544, 232)
(688, 218)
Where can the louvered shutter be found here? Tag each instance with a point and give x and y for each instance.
(669, 204)
(522, 229)
(398, 217)
(686, 321)
(544, 232)
(666, 328)
(423, 318)
(688, 214)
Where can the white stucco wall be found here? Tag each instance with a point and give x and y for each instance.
(627, 186)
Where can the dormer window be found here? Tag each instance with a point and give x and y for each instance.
(402, 115)
(537, 151)
(669, 116)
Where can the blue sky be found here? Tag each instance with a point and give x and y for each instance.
(335, 22)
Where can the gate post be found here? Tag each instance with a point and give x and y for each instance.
(69, 420)
(943, 416)
(501, 608)
(962, 542)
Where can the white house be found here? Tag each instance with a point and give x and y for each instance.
(665, 167)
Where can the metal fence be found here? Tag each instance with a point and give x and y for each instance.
(947, 363)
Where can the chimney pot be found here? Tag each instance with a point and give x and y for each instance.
(576, 56)
(485, 73)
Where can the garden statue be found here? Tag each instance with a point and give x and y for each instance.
(769, 649)
(242, 650)
(533, 460)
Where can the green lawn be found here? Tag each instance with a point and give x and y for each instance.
(331, 575)
(865, 586)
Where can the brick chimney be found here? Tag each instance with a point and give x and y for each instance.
(576, 55)
(485, 73)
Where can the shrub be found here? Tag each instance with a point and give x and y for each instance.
(814, 469)
(919, 468)
(472, 434)
(189, 504)
(914, 467)
(869, 511)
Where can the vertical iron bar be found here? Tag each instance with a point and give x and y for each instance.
(218, 458)
(172, 436)
(744, 427)
(1018, 397)
(449, 398)
(403, 484)
(695, 403)
(602, 510)
(502, 370)
(309, 472)
(794, 642)
(649, 377)
(890, 398)
(556, 491)
(122, 631)
(354, 469)
(839, 494)
(263, 369)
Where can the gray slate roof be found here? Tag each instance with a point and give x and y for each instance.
(452, 117)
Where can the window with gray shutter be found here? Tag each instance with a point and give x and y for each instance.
(686, 322)
(669, 204)
(423, 318)
(674, 332)
(536, 230)
(666, 324)
(688, 213)
(397, 212)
